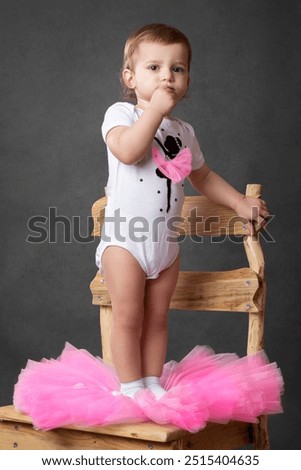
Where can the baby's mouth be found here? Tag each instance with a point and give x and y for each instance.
(171, 88)
(169, 85)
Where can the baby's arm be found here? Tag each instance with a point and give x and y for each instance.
(129, 144)
(218, 190)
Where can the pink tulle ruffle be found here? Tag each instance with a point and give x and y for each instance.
(78, 388)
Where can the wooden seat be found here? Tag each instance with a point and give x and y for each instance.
(240, 290)
(17, 432)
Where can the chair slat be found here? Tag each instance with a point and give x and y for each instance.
(203, 217)
(233, 290)
(200, 217)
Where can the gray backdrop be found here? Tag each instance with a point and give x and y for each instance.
(60, 66)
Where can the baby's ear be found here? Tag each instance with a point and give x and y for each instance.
(128, 78)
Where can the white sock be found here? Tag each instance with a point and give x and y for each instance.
(152, 382)
(130, 388)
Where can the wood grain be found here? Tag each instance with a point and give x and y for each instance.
(234, 290)
(17, 433)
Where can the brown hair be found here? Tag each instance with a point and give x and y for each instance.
(157, 33)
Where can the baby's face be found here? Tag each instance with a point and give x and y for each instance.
(159, 65)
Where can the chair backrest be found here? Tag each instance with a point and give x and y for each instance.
(238, 290)
(199, 217)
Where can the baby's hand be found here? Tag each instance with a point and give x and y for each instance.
(254, 210)
(164, 100)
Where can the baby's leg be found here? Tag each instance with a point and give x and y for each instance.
(125, 280)
(158, 293)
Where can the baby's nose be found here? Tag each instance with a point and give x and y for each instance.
(166, 74)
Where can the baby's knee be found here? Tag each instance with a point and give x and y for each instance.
(128, 317)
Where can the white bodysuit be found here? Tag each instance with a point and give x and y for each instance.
(143, 204)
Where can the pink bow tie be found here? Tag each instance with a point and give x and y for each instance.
(176, 168)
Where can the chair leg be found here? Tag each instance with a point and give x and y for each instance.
(105, 331)
(260, 434)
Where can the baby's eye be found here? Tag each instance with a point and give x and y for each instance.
(153, 67)
(178, 69)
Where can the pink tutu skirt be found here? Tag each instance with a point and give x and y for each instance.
(78, 388)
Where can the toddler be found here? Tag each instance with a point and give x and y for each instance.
(150, 153)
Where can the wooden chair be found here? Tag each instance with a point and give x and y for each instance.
(239, 290)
